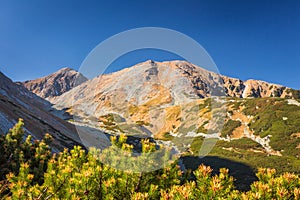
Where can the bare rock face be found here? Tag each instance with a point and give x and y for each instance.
(254, 88)
(55, 84)
(17, 102)
(233, 87)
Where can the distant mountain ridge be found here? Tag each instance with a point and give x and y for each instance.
(60, 82)
(65, 79)
(55, 84)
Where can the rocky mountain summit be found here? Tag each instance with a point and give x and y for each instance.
(196, 80)
(55, 84)
(162, 83)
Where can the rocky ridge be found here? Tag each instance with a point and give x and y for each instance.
(55, 84)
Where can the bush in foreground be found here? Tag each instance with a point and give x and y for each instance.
(29, 171)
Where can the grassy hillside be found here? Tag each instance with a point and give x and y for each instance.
(259, 132)
(274, 117)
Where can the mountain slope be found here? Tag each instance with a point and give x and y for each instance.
(55, 84)
(132, 93)
(167, 101)
(17, 102)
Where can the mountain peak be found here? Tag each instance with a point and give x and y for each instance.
(66, 69)
(55, 84)
(150, 61)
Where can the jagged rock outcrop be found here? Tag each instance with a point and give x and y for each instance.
(254, 88)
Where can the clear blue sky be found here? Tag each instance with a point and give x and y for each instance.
(246, 38)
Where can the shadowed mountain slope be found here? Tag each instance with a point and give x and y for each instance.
(17, 102)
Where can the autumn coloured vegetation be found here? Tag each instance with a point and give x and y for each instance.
(29, 170)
